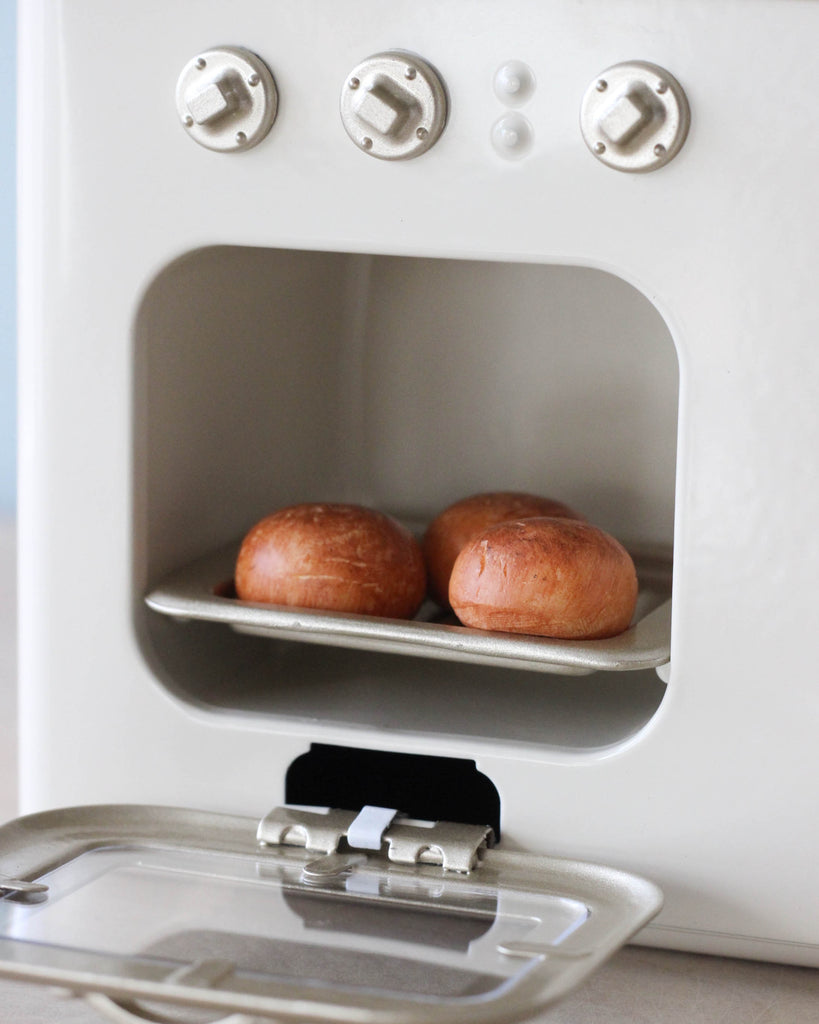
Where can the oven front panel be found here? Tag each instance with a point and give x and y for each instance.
(202, 330)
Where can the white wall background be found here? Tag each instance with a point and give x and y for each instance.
(8, 371)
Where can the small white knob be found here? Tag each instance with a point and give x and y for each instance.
(512, 136)
(514, 83)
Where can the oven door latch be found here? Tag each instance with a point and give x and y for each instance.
(337, 834)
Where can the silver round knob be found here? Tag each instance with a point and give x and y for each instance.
(635, 117)
(393, 105)
(226, 99)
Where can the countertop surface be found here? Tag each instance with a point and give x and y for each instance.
(638, 986)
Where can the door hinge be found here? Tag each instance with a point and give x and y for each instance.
(453, 846)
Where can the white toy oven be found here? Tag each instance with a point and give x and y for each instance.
(394, 255)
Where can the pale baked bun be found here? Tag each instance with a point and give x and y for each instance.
(457, 525)
(343, 558)
(558, 578)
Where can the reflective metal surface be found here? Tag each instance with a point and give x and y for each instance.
(635, 117)
(226, 99)
(185, 908)
(393, 105)
(201, 591)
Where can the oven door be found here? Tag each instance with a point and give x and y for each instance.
(139, 906)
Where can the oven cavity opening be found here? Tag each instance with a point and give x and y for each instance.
(267, 377)
(420, 786)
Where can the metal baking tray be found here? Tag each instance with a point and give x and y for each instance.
(203, 591)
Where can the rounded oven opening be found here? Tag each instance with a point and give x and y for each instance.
(268, 377)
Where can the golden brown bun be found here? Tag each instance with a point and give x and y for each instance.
(549, 577)
(457, 525)
(341, 558)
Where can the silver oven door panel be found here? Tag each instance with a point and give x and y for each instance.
(134, 904)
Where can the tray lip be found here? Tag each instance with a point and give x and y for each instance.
(619, 904)
(190, 593)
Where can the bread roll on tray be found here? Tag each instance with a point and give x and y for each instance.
(458, 524)
(559, 578)
(343, 558)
